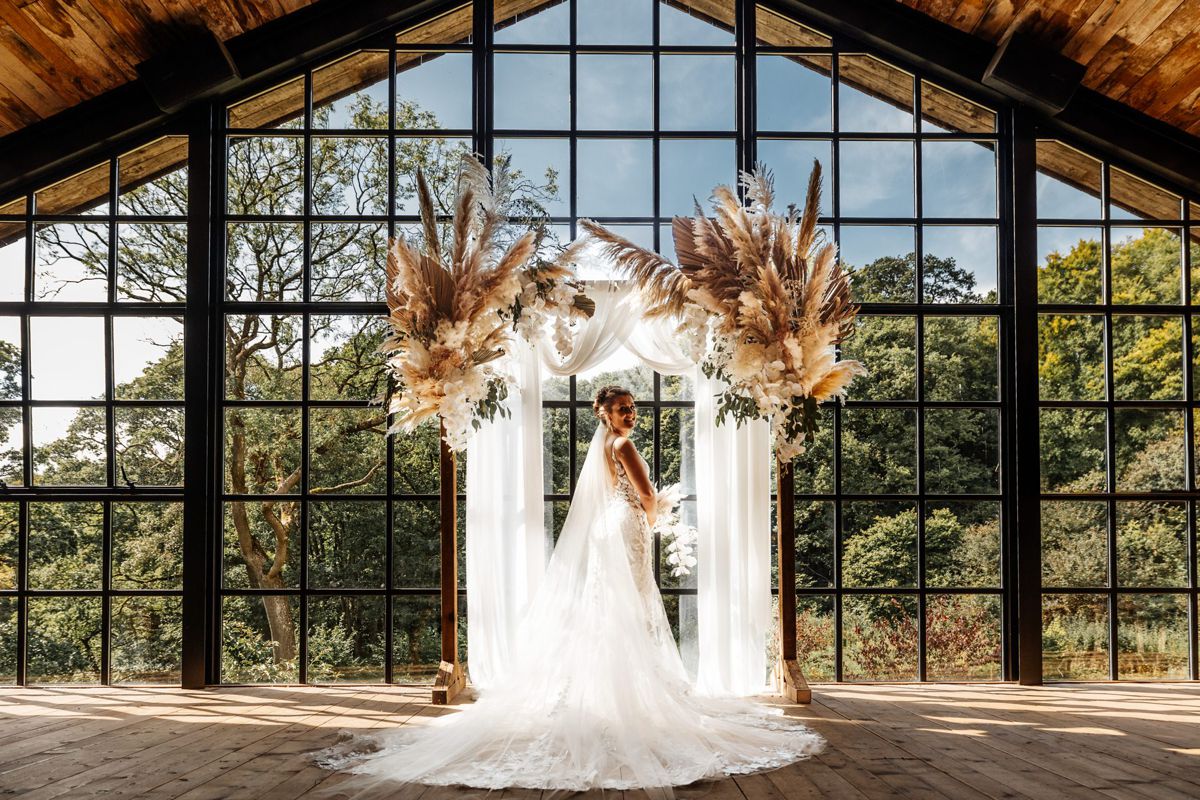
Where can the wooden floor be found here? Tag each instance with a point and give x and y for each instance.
(953, 741)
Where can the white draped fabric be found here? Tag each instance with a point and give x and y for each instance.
(505, 536)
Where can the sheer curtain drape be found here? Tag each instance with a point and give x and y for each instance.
(506, 539)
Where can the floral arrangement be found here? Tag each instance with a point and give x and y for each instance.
(679, 539)
(762, 304)
(453, 310)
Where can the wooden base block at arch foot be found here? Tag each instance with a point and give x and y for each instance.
(450, 681)
(790, 679)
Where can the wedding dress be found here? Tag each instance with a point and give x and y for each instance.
(597, 695)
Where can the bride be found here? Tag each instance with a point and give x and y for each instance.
(597, 695)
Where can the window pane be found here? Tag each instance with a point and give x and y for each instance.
(1069, 265)
(433, 90)
(794, 93)
(556, 446)
(1073, 450)
(815, 636)
(12, 261)
(10, 358)
(262, 450)
(958, 179)
(1074, 637)
(541, 167)
(1150, 450)
(712, 27)
(65, 637)
(352, 92)
(152, 262)
(258, 554)
(879, 544)
(1146, 265)
(280, 107)
(348, 451)
(874, 95)
(344, 362)
(1130, 197)
(962, 451)
(10, 523)
(148, 358)
(83, 193)
(882, 262)
(814, 543)
(696, 93)
(615, 178)
(962, 355)
(347, 545)
(1071, 357)
(153, 178)
(879, 450)
(259, 639)
(546, 23)
(264, 261)
(1147, 357)
(791, 161)
(348, 261)
(417, 460)
(12, 453)
(532, 90)
(265, 175)
(962, 544)
(1152, 544)
(1152, 636)
(147, 545)
(888, 345)
(416, 639)
(147, 640)
(416, 549)
(614, 92)
(67, 358)
(614, 21)
(262, 357)
(1074, 543)
(65, 545)
(879, 638)
(943, 111)
(16, 207)
(69, 445)
(149, 445)
(8, 640)
(690, 169)
(877, 179)
(1068, 182)
(813, 471)
(1194, 261)
(71, 262)
(962, 637)
(959, 265)
(346, 641)
(438, 158)
(349, 175)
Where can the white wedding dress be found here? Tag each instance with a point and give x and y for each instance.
(597, 696)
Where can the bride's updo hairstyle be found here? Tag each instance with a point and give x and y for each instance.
(603, 396)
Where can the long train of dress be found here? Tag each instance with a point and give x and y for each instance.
(598, 696)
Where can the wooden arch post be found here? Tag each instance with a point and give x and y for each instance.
(450, 678)
(789, 676)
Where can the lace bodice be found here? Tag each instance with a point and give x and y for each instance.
(635, 529)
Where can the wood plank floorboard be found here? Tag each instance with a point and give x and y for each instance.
(1124, 741)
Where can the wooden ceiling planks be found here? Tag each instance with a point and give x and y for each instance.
(55, 54)
(1143, 53)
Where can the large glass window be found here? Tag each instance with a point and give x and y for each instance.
(93, 277)
(898, 504)
(1115, 384)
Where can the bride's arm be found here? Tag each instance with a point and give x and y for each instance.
(635, 468)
